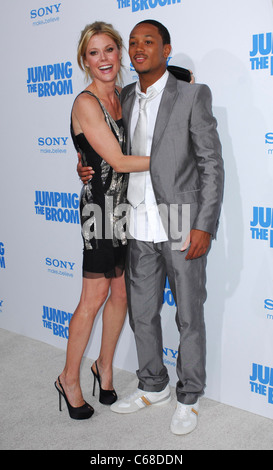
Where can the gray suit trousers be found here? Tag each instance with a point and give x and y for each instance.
(147, 266)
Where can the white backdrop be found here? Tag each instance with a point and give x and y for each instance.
(229, 46)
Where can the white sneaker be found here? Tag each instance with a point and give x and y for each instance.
(141, 399)
(184, 419)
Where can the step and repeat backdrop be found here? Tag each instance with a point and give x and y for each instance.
(229, 46)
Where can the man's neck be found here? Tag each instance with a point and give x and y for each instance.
(147, 79)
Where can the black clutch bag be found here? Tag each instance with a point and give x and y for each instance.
(180, 73)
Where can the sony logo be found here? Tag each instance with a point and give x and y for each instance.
(168, 351)
(44, 11)
(269, 138)
(52, 141)
(60, 264)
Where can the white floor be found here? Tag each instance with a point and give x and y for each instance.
(30, 417)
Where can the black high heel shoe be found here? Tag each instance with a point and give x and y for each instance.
(107, 397)
(82, 412)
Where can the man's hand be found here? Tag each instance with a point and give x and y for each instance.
(85, 172)
(199, 243)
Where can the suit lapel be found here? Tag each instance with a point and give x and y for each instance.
(164, 111)
(127, 109)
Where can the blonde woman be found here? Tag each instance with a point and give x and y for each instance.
(98, 135)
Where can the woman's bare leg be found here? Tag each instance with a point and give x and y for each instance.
(94, 294)
(113, 319)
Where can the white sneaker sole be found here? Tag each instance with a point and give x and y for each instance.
(182, 432)
(189, 424)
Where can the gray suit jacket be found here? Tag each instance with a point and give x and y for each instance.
(186, 163)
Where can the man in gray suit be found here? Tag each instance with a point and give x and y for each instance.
(186, 173)
(186, 170)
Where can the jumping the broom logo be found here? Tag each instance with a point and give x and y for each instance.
(50, 80)
(261, 381)
(57, 321)
(140, 5)
(2, 256)
(261, 55)
(57, 207)
(261, 226)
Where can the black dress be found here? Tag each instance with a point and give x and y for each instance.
(103, 207)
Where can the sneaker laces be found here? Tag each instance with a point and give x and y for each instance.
(183, 410)
(136, 394)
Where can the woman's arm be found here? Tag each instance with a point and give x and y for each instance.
(89, 118)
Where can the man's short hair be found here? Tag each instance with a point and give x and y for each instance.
(164, 33)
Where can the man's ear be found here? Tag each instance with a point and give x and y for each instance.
(167, 50)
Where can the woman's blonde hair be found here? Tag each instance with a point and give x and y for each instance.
(90, 30)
